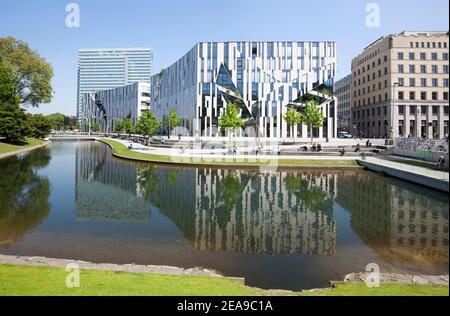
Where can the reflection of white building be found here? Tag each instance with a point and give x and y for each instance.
(107, 106)
(266, 218)
(263, 78)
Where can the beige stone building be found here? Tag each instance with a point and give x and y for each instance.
(400, 86)
(342, 91)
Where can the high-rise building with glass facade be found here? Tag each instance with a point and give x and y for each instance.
(263, 78)
(106, 69)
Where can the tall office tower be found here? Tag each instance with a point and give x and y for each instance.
(400, 86)
(106, 69)
(263, 79)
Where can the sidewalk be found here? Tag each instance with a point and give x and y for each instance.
(213, 153)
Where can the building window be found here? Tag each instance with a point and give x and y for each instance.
(401, 95)
(433, 55)
(423, 82)
(424, 109)
(412, 82)
(434, 69)
(412, 69)
(400, 56)
(423, 69)
(445, 96)
(446, 82)
(412, 56)
(435, 110)
(400, 69)
(434, 96)
(445, 69)
(445, 56)
(423, 56)
(412, 95)
(434, 82)
(423, 95)
(412, 110)
(401, 82)
(401, 109)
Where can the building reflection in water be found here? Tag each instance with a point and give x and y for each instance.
(251, 212)
(401, 223)
(106, 188)
(24, 195)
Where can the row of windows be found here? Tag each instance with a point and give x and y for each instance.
(412, 96)
(423, 69)
(423, 82)
(401, 111)
(423, 95)
(428, 44)
(422, 56)
(423, 109)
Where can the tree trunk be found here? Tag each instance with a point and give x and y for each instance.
(312, 134)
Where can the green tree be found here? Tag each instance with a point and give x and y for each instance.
(39, 126)
(95, 127)
(30, 73)
(128, 126)
(118, 126)
(312, 116)
(147, 125)
(13, 123)
(230, 118)
(7, 94)
(173, 120)
(292, 118)
(57, 120)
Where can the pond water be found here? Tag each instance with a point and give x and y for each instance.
(280, 230)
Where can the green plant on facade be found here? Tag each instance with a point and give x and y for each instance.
(230, 119)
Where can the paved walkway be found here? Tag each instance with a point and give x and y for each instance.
(213, 153)
(438, 180)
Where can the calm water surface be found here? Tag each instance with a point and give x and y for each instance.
(289, 230)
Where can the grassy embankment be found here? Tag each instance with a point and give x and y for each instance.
(6, 148)
(40, 281)
(122, 151)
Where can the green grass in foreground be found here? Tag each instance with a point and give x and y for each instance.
(350, 289)
(40, 281)
(29, 142)
(123, 152)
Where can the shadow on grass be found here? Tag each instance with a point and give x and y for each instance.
(15, 143)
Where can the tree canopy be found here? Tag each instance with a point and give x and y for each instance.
(312, 116)
(31, 74)
(39, 125)
(173, 120)
(230, 118)
(147, 124)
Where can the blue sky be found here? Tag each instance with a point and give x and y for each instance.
(172, 27)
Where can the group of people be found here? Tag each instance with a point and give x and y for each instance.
(314, 148)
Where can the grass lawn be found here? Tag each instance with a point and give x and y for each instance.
(7, 147)
(37, 281)
(122, 151)
(351, 289)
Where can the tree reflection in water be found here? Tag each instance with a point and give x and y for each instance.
(25, 195)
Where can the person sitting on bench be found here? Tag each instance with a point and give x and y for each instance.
(358, 148)
(319, 148)
(314, 147)
(305, 148)
(342, 152)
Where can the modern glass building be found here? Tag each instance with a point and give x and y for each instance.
(106, 69)
(107, 107)
(263, 78)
